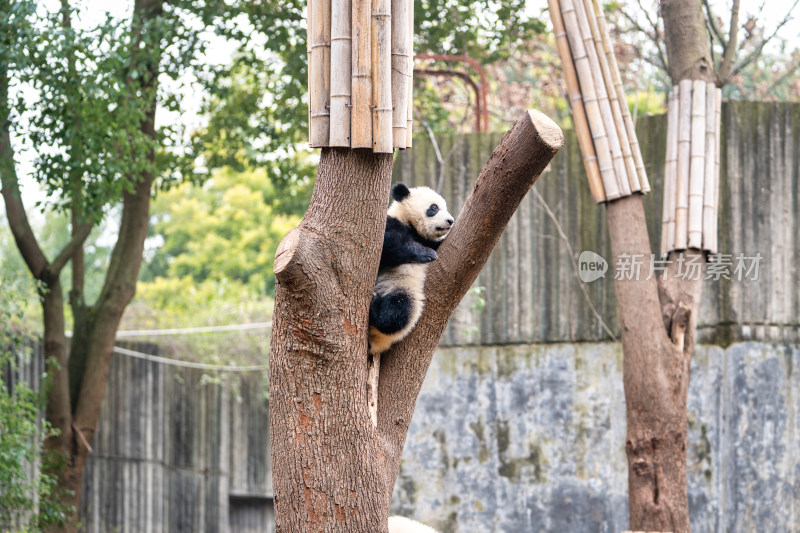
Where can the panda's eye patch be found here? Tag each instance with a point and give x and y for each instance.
(432, 210)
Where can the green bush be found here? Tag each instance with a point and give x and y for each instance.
(27, 494)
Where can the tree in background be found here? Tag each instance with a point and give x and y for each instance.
(84, 101)
(745, 50)
(658, 319)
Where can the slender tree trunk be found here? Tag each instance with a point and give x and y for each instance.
(332, 469)
(657, 320)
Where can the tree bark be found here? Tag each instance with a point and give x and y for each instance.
(687, 41)
(332, 469)
(658, 322)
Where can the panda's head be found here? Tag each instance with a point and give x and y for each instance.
(423, 209)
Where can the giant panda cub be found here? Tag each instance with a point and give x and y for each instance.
(416, 224)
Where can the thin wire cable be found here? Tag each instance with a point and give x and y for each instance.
(188, 331)
(188, 364)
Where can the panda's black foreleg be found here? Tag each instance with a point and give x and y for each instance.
(401, 250)
(390, 313)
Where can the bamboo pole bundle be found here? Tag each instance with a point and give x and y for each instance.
(341, 64)
(382, 140)
(684, 160)
(614, 144)
(697, 166)
(616, 110)
(410, 112)
(670, 177)
(576, 106)
(361, 81)
(401, 76)
(590, 100)
(709, 201)
(319, 69)
(616, 80)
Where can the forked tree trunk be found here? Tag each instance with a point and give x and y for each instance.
(332, 469)
(658, 321)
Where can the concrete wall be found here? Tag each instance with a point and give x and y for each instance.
(531, 438)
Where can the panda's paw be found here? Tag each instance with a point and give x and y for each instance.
(426, 256)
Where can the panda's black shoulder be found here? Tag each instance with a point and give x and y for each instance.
(397, 239)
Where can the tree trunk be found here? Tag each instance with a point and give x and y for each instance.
(332, 469)
(658, 321)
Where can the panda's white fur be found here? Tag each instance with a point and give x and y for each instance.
(413, 208)
(400, 524)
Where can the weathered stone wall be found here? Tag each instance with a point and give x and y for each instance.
(531, 438)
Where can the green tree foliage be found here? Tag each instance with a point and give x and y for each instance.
(226, 230)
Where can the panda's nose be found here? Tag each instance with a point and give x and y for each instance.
(449, 221)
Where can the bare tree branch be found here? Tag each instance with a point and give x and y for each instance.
(652, 34)
(15, 212)
(752, 56)
(729, 55)
(79, 236)
(574, 262)
(715, 31)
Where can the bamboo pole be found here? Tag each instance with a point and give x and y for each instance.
(616, 110)
(684, 160)
(602, 96)
(410, 112)
(714, 248)
(670, 177)
(320, 73)
(593, 115)
(644, 183)
(709, 202)
(382, 77)
(576, 106)
(341, 64)
(309, 16)
(361, 81)
(697, 165)
(400, 74)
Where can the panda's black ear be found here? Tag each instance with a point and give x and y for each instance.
(400, 192)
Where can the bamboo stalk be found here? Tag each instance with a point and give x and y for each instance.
(361, 81)
(341, 64)
(309, 16)
(576, 106)
(684, 160)
(382, 141)
(698, 164)
(400, 74)
(410, 112)
(670, 177)
(714, 248)
(602, 95)
(709, 202)
(644, 183)
(320, 73)
(616, 110)
(592, 107)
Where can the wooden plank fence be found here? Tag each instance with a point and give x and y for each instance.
(530, 286)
